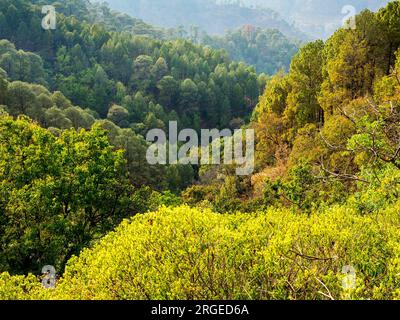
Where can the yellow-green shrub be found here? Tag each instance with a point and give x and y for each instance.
(19, 287)
(185, 253)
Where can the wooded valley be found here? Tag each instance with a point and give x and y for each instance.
(77, 193)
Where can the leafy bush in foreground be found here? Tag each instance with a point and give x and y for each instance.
(184, 253)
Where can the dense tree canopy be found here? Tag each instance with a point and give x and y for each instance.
(329, 126)
(96, 68)
(266, 49)
(76, 103)
(57, 194)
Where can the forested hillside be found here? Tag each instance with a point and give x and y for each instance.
(83, 76)
(328, 127)
(302, 19)
(317, 18)
(268, 50)
(94, 68)
(77, 192)
(199, 13)
(130, 82)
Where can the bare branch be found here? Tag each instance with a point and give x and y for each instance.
(329, 144)
(328, 295)
(341, 176)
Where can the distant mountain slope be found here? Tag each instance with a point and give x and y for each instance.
(95, 12)
(319, 18)
(209, 16)
(268, 50)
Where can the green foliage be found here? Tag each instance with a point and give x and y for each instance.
(299, 189)
(19, 287)
(202, 255)
(227, 200)
(376, 140)
(20, 65)
(97, 68)
(325, 194)
(274, 97)
(337, 108)
(118, 115)
(305, 81)
(266, 49)
(56, 194)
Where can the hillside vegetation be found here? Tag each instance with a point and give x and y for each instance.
(185, 253)
(211, 16)
(326, 130)
(318, 219)
(268, 50)
(317, 18)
